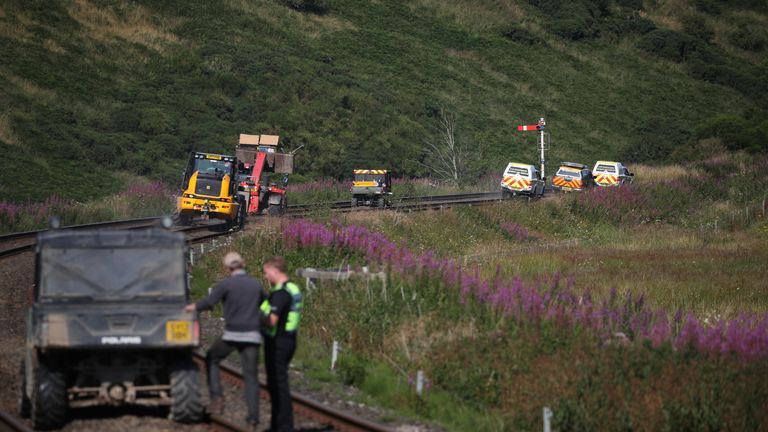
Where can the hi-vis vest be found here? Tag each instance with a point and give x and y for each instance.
(294, 313)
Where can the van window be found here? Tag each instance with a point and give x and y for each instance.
(606, 168)
(521, 171)
(567, 171)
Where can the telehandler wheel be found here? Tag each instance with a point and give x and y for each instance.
(49, 405)
(24, 403)
(187, 406)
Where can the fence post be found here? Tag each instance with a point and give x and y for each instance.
(547, 413)
(334, 354)
(419, 382)
(191, 257)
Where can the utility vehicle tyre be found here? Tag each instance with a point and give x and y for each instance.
(24, 403)
(49, 405)
(187, 406)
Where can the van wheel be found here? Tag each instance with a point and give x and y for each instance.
(49, 405)
(24, 403)
(187, 407)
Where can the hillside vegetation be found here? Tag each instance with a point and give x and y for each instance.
(91, 89)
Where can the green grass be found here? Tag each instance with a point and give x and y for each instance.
(91, 88)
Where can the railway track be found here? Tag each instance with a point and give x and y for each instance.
(303, 405)
(17, 243)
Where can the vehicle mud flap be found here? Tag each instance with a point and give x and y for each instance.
(49, 406)
(187, 405)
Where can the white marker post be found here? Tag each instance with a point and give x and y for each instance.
(334, 354)
(419, 382)
(547, 419)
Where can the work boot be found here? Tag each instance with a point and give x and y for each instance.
(216, 406)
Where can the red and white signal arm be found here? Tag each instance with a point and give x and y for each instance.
(529, 128)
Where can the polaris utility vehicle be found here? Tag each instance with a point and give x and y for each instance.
(107, 326)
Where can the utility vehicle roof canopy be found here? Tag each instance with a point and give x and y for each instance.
(111, 265)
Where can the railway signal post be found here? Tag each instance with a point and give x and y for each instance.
(539, 127)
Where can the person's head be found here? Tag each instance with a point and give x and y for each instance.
(233, 261)
(276, 270)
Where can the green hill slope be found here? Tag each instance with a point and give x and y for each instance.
(90, 90)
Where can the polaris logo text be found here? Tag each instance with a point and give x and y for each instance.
(120, 340)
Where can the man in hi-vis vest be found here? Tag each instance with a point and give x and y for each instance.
(282, 313)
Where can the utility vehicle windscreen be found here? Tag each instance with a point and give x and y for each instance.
(112, 273)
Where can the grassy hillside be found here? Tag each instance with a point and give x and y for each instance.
(92, 89)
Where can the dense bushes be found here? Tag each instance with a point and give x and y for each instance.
(656, 138)
(673, 45)
(585, 19)
(736, 133)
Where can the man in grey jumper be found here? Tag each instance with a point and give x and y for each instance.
(241, 296)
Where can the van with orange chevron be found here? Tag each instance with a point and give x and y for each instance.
(572, 176)
(371, 187)
(608, 173)
(523, 180)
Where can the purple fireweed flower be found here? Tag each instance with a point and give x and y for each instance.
(545, 300)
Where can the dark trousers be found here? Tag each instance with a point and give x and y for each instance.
(249, 357)
(278, 353)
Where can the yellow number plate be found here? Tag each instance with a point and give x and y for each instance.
(214, 157)
(178, 331)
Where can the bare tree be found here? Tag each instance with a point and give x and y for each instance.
(446, 157)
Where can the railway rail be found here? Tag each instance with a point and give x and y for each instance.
(303, 405)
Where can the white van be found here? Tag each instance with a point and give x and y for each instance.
(607, 173)
(522, 179)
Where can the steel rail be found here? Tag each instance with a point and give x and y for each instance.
(32, 234)
(306, 406)
(413, 203)
(11, 423)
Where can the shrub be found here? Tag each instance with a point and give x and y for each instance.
(749, 37)
(670, 45)
(319, 7)
(696, 25)
(521, 35)
(736, 133)
(655, 139)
